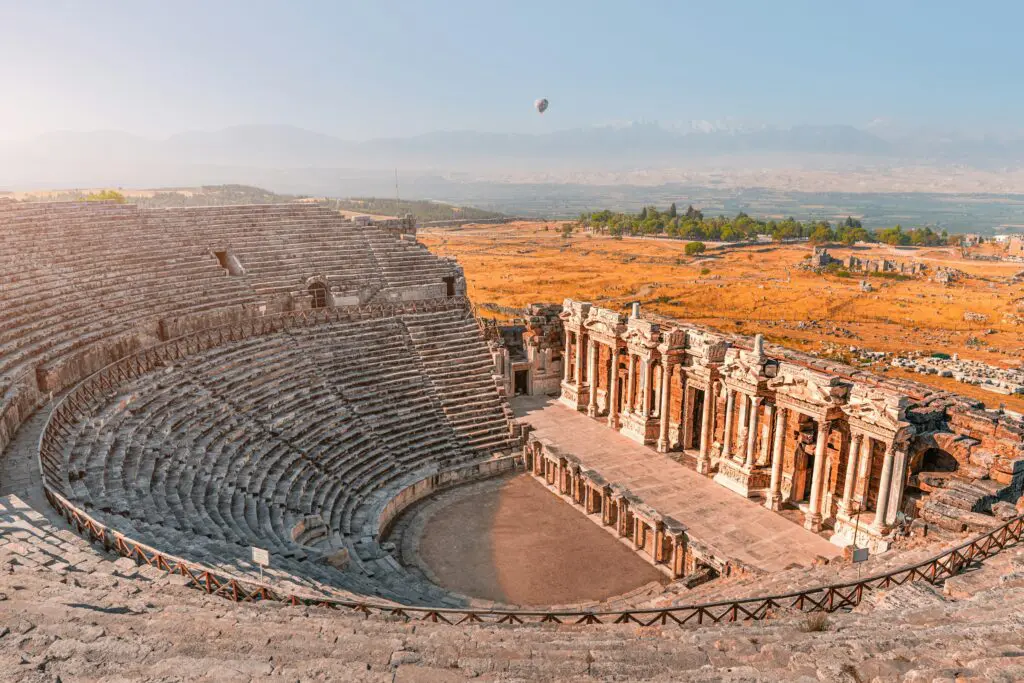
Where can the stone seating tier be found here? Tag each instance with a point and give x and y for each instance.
(235, 446)
(84, 283)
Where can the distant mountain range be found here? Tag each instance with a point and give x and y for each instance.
(249, 153)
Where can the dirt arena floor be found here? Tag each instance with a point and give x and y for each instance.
(518, 543)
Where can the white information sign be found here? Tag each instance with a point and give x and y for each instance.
(261, 556)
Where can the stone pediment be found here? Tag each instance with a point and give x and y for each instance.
(673, 338)
(574, 312)
(706, 346)
(804, 387)
(603, 321)
(742, 368)
(642, 333)
(878, 409)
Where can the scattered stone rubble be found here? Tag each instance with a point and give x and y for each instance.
(948, 276)
(991, 378)
(821, 259)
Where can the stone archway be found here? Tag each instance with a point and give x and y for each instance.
(938, 460)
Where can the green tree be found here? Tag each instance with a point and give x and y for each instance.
(672, 210)
(694, 248)
(821, 233)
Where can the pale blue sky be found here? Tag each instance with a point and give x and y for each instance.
(389, 68)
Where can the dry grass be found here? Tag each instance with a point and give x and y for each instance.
(816, 622)
(749, 290)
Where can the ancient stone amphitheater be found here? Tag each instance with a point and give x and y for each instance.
(180, 386)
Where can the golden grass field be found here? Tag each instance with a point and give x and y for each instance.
(753, 289)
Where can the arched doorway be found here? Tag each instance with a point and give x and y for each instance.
(319, 293)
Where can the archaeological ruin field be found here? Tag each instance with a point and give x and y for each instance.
(281, 440)
(756, 289)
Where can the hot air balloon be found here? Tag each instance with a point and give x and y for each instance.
(541, 105)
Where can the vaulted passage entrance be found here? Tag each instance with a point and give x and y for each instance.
(319, 293)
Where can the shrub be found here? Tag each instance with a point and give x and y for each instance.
(705, 271)
(104, 196)
(694, 248)
(900, 277)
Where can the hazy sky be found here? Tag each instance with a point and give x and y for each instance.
(387, 68)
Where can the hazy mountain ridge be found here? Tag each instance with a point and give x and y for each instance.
(634, 144)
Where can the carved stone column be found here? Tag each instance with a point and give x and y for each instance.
(899, 482)
(678, 555)
(658, 547)
(613, 391)
(813, 521)
(706, 427)
(741, 427)
(860, 490)
(579, 361)
(648, 377)
(764, 457)
(623, 515)
(630, 383)
(774, 500)
(727, 437)
(663, 408)
(755, 403)
(879, 525)
(686, 416)
(566, 355)
(592, 376)
(851, 473)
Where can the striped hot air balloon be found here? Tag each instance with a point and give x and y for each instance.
(541, 105)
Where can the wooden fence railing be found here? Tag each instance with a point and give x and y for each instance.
(823, 598)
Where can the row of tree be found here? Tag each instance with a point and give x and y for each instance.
(693, 225)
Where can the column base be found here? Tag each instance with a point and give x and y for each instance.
(662, 446)
(812, 522)
(747, 482)
(704, 465)
(774, 502)
(642, 429)
(592, 410)
(848, 532)
(613, 421)
(575, 397)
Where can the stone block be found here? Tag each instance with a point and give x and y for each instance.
(982, 458)
(1003, 510)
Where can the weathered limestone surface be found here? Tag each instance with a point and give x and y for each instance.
(85, 283)
(65, 613)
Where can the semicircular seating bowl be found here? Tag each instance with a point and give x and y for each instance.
(236, 446)
(292, 441)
